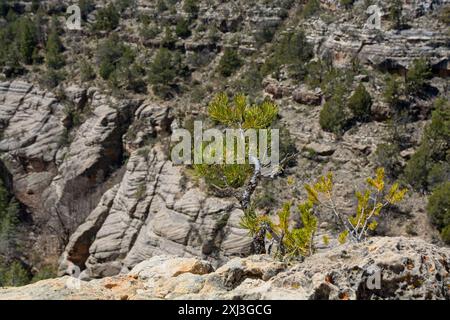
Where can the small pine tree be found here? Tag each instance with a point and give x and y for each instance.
(169, 39)
(191, 7)
(8, 222)
(434, 147)
(444, 16)
(4, 8)
(26, 39)
(87, 73)
(182, 28)
(161, 6)
(392, 92)
(163, 70)
(311, 8)
(292, 51)
(229, 62)
(395, 13)
(54, 48)
(35, 5)
(14, 276)
(333, 117)
(107, 18)
(387, 156)
(417, 76)
(293, 242)
(439, 209)
(239, 114)
(360, 103)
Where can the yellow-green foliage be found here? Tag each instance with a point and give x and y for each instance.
(235, 113)
(370, 202)
(299, 241)
(295, 241)
(224, 175)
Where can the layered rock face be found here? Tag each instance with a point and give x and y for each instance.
(144, 208)
(382, 268)
(58, 176)
(151, 212)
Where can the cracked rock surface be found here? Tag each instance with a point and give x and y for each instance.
(381, 268)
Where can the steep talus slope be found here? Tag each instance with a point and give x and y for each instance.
(382, 268)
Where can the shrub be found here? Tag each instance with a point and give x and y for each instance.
(182, 28)
(169, 39)
(107, 18)
(8, 221)
(12, 63)
(46, 272)
(113, 55)
(229, 62)
(392, 92)
(191, 7)
(395, 13)
(265, 34)
(434, 147)
(360, 103)
(213, 34)
(417, 168)
(445, 234)
(161, 6)
(439, 173)
(54, 48)
(87, 73)
(316, 71)
(417, 76)
(13, 275)
(52, 78)
(311, 8)
(122, 5)
(293, 242)
(387, 156)
(26, 39)
(251, 82)
(4, 8)
(164, 69)
(149, 31)
(294, 51)
(439, 207)
(86, 7)
(444, 16)
(333, 117)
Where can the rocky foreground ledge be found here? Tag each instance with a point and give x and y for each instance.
(381, 268)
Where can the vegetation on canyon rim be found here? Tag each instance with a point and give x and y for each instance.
(290, 239)
(36, 44)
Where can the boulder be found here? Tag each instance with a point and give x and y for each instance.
(308, 97)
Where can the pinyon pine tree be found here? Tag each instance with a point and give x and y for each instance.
(237, 113)
(292, 242)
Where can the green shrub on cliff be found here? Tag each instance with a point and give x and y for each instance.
(360, 103)
(439, 209)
